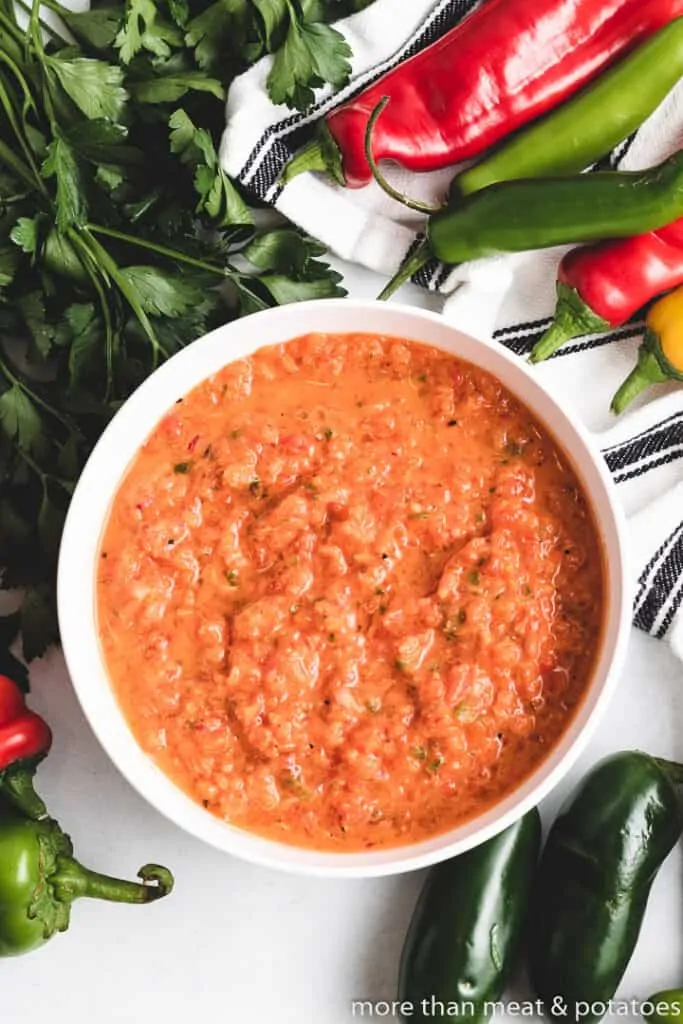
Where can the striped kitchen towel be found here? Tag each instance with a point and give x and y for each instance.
(507, 300)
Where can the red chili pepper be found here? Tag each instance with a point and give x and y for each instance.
(600, 287)
(25, 739)
(504, 65)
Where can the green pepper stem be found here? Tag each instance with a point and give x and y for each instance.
(647, 371)
(671, 768)
(72, 881)
(409, 267)
(562, 330)
(320, 154)
(310, 158)
(412, 204)
(16, 785)
(573, 318)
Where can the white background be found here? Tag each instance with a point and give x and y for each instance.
(238, 944)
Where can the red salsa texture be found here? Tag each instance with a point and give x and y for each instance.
(349, 592)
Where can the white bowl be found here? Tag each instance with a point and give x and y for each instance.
(110, 460)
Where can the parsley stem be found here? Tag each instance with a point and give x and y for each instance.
(14, 163)
(12, 29)
(107, 263)
(42, 474)
(90, 265)
(161, 250)
(43, 24)
(6, 103)
(34, 26)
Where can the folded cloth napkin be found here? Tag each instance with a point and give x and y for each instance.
(508, 300)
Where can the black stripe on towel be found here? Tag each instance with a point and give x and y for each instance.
(662, 585)
(663, 460)
(660, 438)
(671, 613)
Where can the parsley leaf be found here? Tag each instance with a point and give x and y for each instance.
(217, 31)
(284, 289)
(38, 621)
(101, 141)
(159, 293)
(169, 88)
(179, 11)
(312, 55)
(284, 251)
(25, 234)
(273, 14)
(218, 197)
(85, 336)
(61, 163)
(32, 307)
(95, 86)
(20, 420)
(143, 30)
(97, 27)
(9, 261)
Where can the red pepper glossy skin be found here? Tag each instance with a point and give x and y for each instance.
(615, 279)
(23, 734)
(507, 63)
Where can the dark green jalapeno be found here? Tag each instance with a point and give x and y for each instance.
(601, 857)
(466, 932)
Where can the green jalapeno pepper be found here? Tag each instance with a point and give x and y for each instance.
(467, 927)
(39, 880)
(539, 213)
(601, 857)
(590, 124)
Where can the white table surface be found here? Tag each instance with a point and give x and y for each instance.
(236, 944)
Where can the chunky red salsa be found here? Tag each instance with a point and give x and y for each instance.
(350, 592)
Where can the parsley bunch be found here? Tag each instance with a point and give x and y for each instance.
(121, 238)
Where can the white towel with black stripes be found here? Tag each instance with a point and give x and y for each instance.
(508, 301)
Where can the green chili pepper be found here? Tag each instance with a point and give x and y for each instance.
(665, 1007)
(601, 857)
(530, 213)
(39, 880)
(467, 928)
(588, 126)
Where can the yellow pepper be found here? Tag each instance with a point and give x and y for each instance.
(660, 357)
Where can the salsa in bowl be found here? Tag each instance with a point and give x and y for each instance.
(352, 605)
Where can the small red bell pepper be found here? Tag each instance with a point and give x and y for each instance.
(25, 739)
(502, 66)
(600, 287)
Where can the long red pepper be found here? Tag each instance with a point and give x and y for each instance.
(505, 64)
(25, 739)
(600, 287)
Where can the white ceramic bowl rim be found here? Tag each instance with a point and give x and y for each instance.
(110, 460)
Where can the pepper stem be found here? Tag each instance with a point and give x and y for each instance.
(320, 154)
(647, 371)
(561, 331)
(16, 785)
(573, 317)
(412, 204)
(672, 769)
(409, 267)
(72, 881)
(310, 158)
